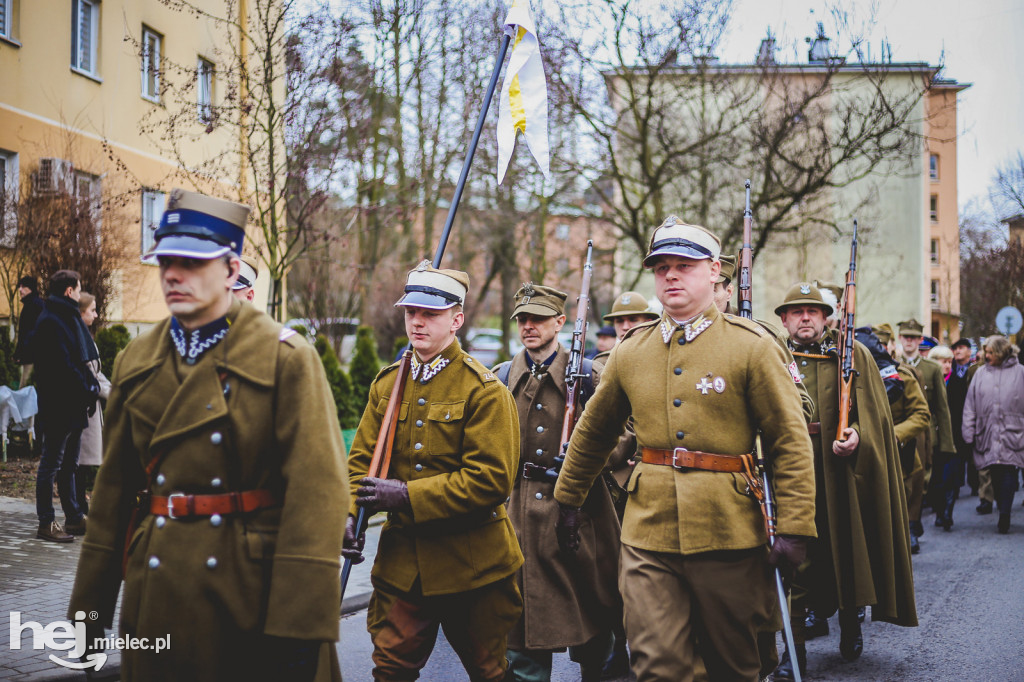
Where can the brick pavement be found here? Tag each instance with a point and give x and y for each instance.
(36, 579)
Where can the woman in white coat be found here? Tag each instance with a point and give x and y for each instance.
(91, 455)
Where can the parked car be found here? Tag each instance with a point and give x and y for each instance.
(484, 344)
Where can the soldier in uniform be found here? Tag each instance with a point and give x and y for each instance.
(941, 446)
(223, 480)
(694, 561)
(568, 600)
(448, 554)
(244, 288)
(861, 556)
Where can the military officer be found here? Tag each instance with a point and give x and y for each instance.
(448, 554)
(222, 451)
(244, 288)
(629, 310)
(942, 447)
(723, 286)
(694, 561)
(861, 556)
(568, 600)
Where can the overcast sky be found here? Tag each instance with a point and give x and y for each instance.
(980, 42)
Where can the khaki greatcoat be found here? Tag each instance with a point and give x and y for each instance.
(862, 555)
(568, 600)
(456, 446)
(934, 387)
(271, 425)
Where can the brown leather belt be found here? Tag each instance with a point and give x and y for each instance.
(681, 458)
(180, 505)
(814, 428)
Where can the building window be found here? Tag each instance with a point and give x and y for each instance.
(5, 18)
(151, 64)
(153, 203)
(935, 252)
(204, 90)
(562, 232)
(88, 191)
(8, 197)
(933, 208)
(85, 35)
(562, 267)
(935, 293)
(933, 167)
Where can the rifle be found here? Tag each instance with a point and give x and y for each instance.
(846, 340)
(381, 461)
(573, 370)
(765, 495)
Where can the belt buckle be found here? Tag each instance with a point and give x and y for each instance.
(675, 458)
(170, 504)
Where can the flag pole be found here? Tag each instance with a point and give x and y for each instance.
(488, 96)
(439, 254)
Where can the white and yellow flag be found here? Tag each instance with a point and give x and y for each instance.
(523, 106)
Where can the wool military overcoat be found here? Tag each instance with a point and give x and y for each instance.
(567, 599)
(911, 419)
(217, 584)
(456, 445)
(862, 556)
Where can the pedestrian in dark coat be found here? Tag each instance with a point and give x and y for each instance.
(31, 308)
(67, 393)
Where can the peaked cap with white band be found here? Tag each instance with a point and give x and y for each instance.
(428, 287)
(201, 227)
(247, 274)
(676, 238)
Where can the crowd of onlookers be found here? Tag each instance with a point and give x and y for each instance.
(985, 387)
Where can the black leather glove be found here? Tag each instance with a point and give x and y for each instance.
(287, 658)
(383, 494)
(352, 547)
(568, 528)
(788, 552)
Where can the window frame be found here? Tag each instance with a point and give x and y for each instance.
(93, 195)
(156, 200)
(933, 253)
(9, 177)
(6, 17)
(78, 8)
(147, 34)
(933, 167)
(933, 294)
(563, 231)
(933, 208)
(204, 110)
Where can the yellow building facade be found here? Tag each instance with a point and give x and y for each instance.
(86, 91)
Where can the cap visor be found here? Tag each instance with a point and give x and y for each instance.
(418, 299)
(185, 246)
(682, 251)
(535, 309)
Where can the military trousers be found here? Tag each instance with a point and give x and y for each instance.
(913, 486)
(403, 627)
(722, 597)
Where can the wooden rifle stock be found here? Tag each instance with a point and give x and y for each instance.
(380, 463)
(847, 327)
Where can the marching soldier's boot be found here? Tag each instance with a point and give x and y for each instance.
(815, 625)
(784, 673)
(851, 641)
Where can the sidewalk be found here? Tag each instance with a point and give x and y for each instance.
(36, 579)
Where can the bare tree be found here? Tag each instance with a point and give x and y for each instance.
(1007, 190)
(674, 131)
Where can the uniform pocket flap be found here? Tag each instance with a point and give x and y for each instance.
(403, 410)
(446, 412)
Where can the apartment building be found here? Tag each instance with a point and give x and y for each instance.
(88, 91)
